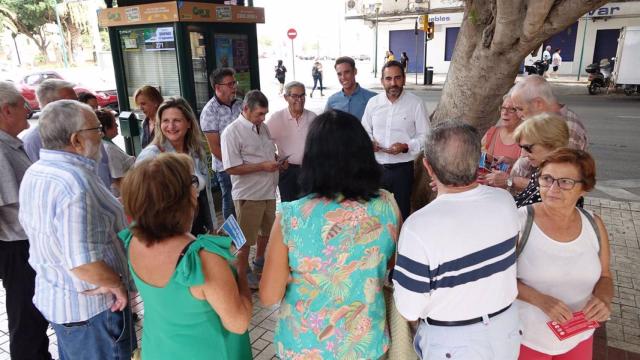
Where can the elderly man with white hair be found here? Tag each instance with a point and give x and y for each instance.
(48, 91)
(27, 327)
(72, 221)
(531, 96)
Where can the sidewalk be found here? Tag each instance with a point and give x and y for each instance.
(619, 339)
(439, 80)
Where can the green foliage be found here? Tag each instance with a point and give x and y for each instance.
(33, 14)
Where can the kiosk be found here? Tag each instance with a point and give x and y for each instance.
(174, 46)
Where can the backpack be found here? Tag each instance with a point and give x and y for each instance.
(529, 223)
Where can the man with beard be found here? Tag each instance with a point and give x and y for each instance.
(72, 221)
(397, 123)
(352, 98)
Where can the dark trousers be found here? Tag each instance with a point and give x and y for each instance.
(317, 79)
(398, 179)
(27, 327)
(288, 183)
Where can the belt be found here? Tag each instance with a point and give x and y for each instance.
(465, 322)
(395, 165)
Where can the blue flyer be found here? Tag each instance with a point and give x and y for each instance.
(232, 228)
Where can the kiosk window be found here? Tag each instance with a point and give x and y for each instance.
(149, 56)
(199, 62)
(232, 50)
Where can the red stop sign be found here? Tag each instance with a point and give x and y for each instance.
(292, 33)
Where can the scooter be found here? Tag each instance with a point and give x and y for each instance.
(538, 67)
(600, 75)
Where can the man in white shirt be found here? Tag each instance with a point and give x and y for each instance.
(249, 156)
(288, 128)
(397, 123)
(456, 264)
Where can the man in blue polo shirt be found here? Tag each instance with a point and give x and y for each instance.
(353, 98)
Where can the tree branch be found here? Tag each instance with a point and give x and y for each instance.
(508, 23)
(565, 12)
(537, 11)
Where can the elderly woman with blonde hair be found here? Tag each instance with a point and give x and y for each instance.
(538, 136)
(177, 130)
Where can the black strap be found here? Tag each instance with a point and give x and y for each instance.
(524, 237)
(184, 252)
(431, 321)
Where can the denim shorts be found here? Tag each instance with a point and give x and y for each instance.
(498, 339)
(107, 335)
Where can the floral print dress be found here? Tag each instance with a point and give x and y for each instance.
(334, 307)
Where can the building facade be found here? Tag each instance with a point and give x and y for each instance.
(593, 37)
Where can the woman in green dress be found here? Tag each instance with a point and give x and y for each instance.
(195, 306)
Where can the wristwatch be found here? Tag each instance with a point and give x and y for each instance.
(510, 184)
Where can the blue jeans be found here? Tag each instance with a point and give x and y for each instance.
(107, 335)
(225, 188)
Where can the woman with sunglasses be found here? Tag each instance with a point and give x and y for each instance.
(500, 144)
(564, 267)
(538, 136)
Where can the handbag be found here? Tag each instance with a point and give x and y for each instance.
(400, 332)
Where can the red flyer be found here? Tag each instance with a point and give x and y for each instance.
(572, 327)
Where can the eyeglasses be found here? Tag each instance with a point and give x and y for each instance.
(195, 182)
(229, 84)
(563, 183)
(518, 108)
(99, 128)
(510, 110)
(297, 97)
(526, 147)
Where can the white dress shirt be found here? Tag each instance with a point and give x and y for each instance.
(403, 121)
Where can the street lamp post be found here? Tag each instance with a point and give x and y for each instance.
(63, 48)
(375, 53)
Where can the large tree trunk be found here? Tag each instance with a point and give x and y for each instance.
(496, 35)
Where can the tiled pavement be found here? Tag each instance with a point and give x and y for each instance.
(618, 340)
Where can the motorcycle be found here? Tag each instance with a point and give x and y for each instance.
(600, 75)
(538, 67)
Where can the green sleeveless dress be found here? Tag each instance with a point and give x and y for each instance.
(179, 326)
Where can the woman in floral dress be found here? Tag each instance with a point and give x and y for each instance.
(329, 251)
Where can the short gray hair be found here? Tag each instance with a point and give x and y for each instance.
(453, 152)
(48, 90)
(59, 120)
(9, 94)
(255, 98)
(534, 86)
(292, 84)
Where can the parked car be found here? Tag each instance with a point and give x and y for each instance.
(28, 84)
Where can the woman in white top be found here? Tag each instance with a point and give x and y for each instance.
(556, 61)
(563, 268)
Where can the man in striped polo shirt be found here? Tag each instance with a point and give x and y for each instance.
(72, 221)
(455, 269)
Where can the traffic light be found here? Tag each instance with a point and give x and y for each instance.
(424, 22)
(430, 29)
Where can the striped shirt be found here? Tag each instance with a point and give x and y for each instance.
(456, 257)
(71, 219)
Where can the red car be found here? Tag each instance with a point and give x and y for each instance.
(29, 83)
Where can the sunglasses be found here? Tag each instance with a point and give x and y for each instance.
(526, 147)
